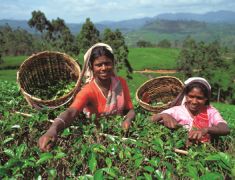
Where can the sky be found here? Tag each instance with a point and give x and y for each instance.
(76, 11)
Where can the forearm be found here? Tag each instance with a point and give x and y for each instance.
(156, 118)
(221, 129)
(159, 117)
(130, 115)
(63, 120)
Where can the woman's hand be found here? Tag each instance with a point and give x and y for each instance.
(130, 115)
(165, 119)
(197, 134)
(169, 121)
(126, 124)
(47, 141)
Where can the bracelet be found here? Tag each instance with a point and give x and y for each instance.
(60, 119)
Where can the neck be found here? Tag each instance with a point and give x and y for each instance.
(103, 83)
(193, 113)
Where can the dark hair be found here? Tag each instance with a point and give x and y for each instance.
(200, 86)
(100, 51)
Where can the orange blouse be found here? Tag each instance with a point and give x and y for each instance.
(93, 99)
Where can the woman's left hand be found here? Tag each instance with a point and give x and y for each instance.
(126, 124)
(197, 134)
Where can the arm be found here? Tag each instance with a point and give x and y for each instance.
(219, 126)
(47, 140)
(220, 129)
(64, 120)
(167, 120)
(128, 119)
(129, 109)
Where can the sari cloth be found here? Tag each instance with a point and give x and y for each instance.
(115, 99)
(201, 121)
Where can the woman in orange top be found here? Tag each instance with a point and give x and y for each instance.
(104, 95)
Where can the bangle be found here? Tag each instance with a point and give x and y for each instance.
(60, 119)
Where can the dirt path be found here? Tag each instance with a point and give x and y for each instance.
(160, 71)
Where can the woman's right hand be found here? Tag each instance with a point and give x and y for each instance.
(169, 121)
(47, 141)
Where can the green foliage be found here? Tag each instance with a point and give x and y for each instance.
(164, 43)
(205, 60)
(88, 36)
(88, 150)
(39, 21)
(15, 42)
(143, 43)
(12, 62)
(117, 42)
(1, 46)
(51, 91)
(55, 34)
(153, 58)
(8, 75)
(176, 31)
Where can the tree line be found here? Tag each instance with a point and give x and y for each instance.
(54, 35)
(195, 58)
(209, 61)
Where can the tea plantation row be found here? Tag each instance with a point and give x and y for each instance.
(104, 151)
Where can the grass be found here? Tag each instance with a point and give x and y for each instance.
(228, 110)
(8, 75)
(140, 58)
(11, 62)
(153, 58)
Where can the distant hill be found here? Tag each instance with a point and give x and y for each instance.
(210, 17)
(133, 24)
(176, 31)
(210, 26)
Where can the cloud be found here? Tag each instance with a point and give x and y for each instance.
(99, 10)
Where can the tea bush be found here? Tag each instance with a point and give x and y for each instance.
(88, 150)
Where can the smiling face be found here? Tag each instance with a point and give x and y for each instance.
(195, 100)
(102, 68)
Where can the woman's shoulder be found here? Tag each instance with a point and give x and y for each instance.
(88, 87)
(176, 109)
(211, 109)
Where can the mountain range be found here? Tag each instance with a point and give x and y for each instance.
(172, 26)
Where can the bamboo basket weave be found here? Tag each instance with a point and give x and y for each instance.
(45, 67)
(156, 94)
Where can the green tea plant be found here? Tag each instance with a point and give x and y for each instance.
(102, 150)
(52, 91)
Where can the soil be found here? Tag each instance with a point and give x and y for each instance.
(159, 71)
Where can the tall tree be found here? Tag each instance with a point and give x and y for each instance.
(16, 42)
(164, 43)
(39, 21)
(1, 46)
(88, 35)
(205, 60)
(186, 60)
(117, 42)
(54, 33)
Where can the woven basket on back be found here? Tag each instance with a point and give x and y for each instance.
(44, 67)
(156, 94)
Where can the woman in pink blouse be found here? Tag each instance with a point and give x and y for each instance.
(192, 110)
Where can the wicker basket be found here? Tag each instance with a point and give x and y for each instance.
(156, 94)
(45, 67)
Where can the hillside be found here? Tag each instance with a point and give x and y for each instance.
(178, 30)
(174, 27)
(211, 17)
